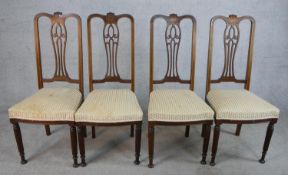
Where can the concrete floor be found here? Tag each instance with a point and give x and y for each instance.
(113, 151)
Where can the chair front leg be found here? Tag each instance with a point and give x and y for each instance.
(268, 137)
(81, 133)
(238, 129)
(187, 131)
(151, 144)
(203, 130)
(206, 139)
(132, 131)
(138, 143)
(74, 145)
(215, 143)
(18, 137)
(47, 130)
(93, 132)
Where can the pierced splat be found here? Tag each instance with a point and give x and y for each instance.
(111, 41)
(59, 38)
(231, 39)
(173, 41)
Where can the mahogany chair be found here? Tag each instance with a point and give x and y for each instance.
(236, 106)
(170, 106)
(52, 106)
(110, 107)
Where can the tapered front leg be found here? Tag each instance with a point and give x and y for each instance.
(206, 139)
(47, 130)
(132, 131)
(268, 137)
(18, 137)
(74, 145)
(151, 144)
(187, 130)
(138, 143)
(238, 130)
(81, 132)
(215, 144)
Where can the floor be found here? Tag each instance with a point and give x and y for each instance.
(112, 152)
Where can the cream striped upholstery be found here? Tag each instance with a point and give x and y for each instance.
(109, 106)
(240, 105)
(48, 104)
(177, 106)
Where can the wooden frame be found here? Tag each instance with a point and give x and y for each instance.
(112, 75)
(173, 23)
(232, 28)
(57, 23)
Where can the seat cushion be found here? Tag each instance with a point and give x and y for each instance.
(109, 106)
(240, 104)
(48, 104)
(177, 106)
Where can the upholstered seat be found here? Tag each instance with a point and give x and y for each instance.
(48, 104)
(177, 106)
(106, 106)
(240, 104)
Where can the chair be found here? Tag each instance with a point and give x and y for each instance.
(110, 107)
(51, 106)
(236, 106)
(170, 106)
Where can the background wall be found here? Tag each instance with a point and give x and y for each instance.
(270, 67)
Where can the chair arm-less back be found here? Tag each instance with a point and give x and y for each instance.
(58, 33)
(111, 41)
(231, 38)
(172, 39)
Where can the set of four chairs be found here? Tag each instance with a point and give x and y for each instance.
(117, 107)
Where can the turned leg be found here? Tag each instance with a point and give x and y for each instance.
(93, 132)
(138, 143)
(18, 137)
(269, 133)
(203, 130)
(47, 129)
(151, 144)
(74, 145)
(81, 133)
(215, 144)
(206, 139)
(187, 130)
(132, 131)
(238, 129)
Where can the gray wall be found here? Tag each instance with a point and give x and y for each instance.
(270, 68)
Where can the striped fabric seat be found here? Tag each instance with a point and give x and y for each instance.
(106, 106)
(177, 106)
(48, 104)
(240, 104)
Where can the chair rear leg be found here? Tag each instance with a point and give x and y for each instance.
(268, 137)
(18, 137)
(215, 144)
(85, 131)
(93, 132)
(206, 139)
(138, 143)
(187, 131)
(151, 144)
(47, 129)
(132, 131)
(74, 145)
(81, 132)
(238, 129)
(203, 130)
